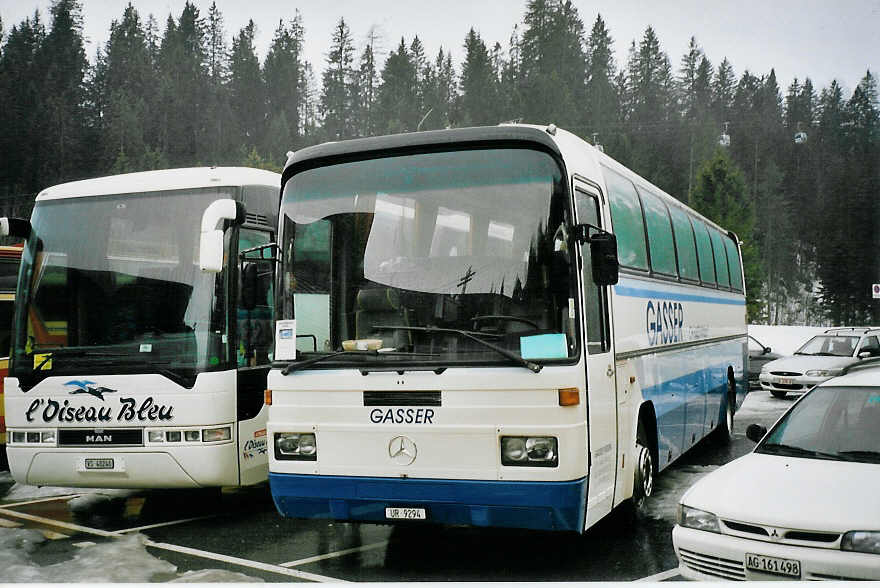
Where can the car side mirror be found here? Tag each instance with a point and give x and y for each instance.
(756, 432)
(603, 250)
(603, 253)
(865, 354)
(15, 227)
(211, 241)
(767, 350)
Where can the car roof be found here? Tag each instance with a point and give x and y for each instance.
(853, 330)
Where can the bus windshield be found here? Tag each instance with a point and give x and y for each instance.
(111, 284)
(426, 257)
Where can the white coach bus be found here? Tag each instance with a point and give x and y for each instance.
(457, 342)
(143, 330)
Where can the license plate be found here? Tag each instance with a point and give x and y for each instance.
(406, 513)
(103, 463)
(786, 381)
(773, 565)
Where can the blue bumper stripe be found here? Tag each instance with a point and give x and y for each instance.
(530, 505)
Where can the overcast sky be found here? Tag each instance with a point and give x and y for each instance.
(820, 39)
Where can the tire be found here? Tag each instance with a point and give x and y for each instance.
(779, 393)
(643, 477)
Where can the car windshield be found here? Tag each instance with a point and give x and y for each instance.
(839, 345)
(432, 258)
(840, 423)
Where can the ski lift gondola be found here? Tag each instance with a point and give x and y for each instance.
(724, 139)
(800, 137)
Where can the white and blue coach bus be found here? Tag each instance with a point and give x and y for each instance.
(456, 344)
(143, 330)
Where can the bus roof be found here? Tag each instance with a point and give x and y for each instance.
(403, 142)
(159, 180)
(504, 133)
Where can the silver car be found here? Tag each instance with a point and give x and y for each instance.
(822, 357)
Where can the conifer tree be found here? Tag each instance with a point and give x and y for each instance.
(397, 99)
(19, 93)
(247, 90)
(479, 84)
(600, 104)
(60, 115)
(338, 91)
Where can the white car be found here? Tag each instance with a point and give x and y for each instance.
(822, 357)
(805, 504)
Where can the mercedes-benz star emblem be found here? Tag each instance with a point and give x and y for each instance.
(402, 450)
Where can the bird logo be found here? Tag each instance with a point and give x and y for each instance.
(87, 387)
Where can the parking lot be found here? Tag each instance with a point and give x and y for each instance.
(65, 535)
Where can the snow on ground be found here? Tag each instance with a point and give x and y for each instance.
(784, 340)
(119, 560)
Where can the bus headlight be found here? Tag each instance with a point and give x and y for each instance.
(694, 518)
(862, 541)
(296, 446)
(218, 434)
(529, 451)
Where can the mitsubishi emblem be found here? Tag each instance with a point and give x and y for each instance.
(402, 450)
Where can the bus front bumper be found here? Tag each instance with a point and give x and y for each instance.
(530, 505)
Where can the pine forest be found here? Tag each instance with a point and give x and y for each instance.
(794, 171)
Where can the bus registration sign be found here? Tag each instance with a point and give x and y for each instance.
(406, 513)
(99, 463)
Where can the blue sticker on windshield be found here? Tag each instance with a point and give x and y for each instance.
(874, 399)
(549, 346)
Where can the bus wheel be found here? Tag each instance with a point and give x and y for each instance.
(643, 484)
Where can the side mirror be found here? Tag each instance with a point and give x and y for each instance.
(15, 227)
(603, 251)
(756, 432)
(767, 350)
(865, 354)
(211, 242)
(249, 286)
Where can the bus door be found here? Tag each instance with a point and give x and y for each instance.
(601, 397)
(254, 330)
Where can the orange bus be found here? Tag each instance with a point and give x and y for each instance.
(10, 258)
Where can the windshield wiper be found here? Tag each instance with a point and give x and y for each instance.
(860, 454)
(298, 365)
(794, 451)
(71, 352)
(518, 359)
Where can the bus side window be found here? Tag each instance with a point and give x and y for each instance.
(594, 298)
(629, 225)
(704, 251)
(659, 234)
(720, 258)
(736, 279)
(685, 244)
(255, 327)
